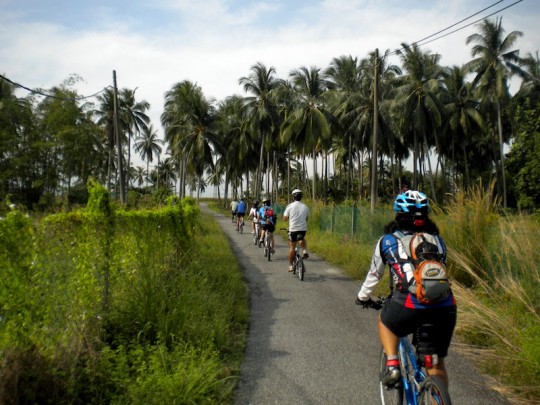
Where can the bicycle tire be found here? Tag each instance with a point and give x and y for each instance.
(241, 227)
(433, 388)
(301, 269)
(389, 396)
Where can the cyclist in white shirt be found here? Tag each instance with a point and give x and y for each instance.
(296, 213)
(254, 215)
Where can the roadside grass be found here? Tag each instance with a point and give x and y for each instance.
(145, 306)
(493, 261)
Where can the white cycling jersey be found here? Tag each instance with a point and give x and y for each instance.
(253, 213)
(297, 213)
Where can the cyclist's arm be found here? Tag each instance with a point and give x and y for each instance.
(375, 273)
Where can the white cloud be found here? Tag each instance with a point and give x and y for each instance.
(215, 42)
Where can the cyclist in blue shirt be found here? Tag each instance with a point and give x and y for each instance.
(240, 212)
(267, 219)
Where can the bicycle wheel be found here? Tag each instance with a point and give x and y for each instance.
(389, 396)
(242, 227)
(268, 248)
(433, 391)
(301, 269)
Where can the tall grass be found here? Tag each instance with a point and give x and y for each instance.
(494, 261)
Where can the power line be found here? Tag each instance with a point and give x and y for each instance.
(52, 95)
(458, 29)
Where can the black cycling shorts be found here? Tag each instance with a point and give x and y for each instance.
(403, 321)
(268, 227)
(240, 214)
(296, 236)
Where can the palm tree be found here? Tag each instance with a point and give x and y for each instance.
(463, 117)
(133, 117)
(238, 140)
(494, 63)
(139, 175)
(148, 145)
(344, 77)
(530, 86)
(307, 126)
(418, 105)
(262, 84)
(188, 120)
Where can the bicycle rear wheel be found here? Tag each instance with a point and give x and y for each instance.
(393, 395)
(433, 391)
(301, 268)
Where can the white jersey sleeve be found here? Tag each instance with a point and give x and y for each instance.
(375, 273)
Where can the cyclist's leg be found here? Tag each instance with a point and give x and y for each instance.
(292, 243)
(303, 244)
(395, 320)
(291, 251)
(439, 337)
(440, 371)
(389, 340)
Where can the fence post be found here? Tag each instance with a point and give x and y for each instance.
(353, 220)
(333, 217)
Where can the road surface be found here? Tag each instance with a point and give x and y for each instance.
(309, 343)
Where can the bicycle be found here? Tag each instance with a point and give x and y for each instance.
(298, 261)
(415, 386)
(257, 234)
(240, 224)
(266, 243)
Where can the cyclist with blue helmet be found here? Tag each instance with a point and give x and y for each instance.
(402, 313)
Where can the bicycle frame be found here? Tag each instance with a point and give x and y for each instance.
(267, 248)
(257, 234)
(411, 372)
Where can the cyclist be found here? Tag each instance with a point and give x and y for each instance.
(234, 204)
(402, 313)
(240, 212)
(297, 214)
(267, 219)
(254, 215)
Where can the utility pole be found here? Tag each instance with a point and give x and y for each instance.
(118, 144)
(375, 130)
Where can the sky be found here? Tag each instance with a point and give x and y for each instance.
(152, 45)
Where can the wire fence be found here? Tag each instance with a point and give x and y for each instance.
(349, 221)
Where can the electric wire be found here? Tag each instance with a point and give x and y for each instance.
(34, 91)
(422, 41)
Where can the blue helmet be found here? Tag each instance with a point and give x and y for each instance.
(411, 201)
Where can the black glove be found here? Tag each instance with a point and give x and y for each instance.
(365, 304)
(369, 303)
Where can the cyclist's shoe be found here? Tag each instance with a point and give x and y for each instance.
(290, 268)
(391, 377)
(272, 251)
(306, 256)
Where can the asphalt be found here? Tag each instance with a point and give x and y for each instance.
(309, 343)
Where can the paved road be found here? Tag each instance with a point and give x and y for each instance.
(309, 343)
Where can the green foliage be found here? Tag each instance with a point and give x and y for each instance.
(99, 200)
(136, 308)
(523, 159)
